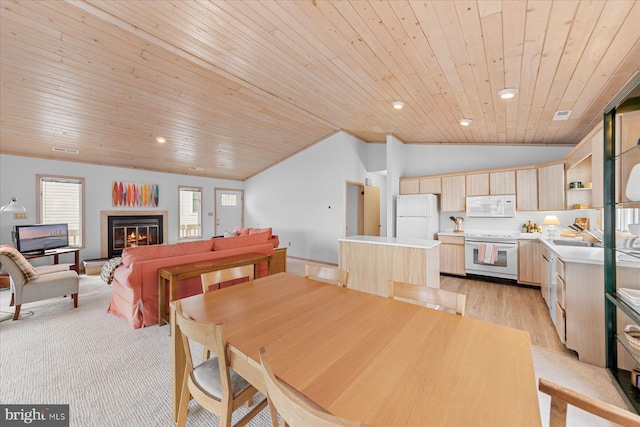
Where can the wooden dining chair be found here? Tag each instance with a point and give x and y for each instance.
(561, 397)
(221, 276)
(426, 296)
(295, 409)
(212, 383)
(326, 273)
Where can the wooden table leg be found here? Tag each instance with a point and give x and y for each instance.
(173, 289)
(77, 261)
(178, 366)
(161, 301)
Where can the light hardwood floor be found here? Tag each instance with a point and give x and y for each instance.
(513, 306)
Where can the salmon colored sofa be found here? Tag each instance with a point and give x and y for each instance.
(135, 282)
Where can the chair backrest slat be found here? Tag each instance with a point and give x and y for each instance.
(294, 408)
(220, 276)
(327, 273)
(424, 295)
(561, 396)
(210, 335)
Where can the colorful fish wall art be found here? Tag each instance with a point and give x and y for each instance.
(134, 195)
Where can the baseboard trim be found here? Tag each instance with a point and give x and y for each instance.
(312, 260)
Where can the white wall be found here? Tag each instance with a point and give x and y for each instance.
(513, 225)
(396, 161)
(437, 159)
(18, 178)
(304, 197)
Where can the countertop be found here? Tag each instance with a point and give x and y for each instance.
(576, 254)
(392, 241)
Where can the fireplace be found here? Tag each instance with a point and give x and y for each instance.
(121, 229)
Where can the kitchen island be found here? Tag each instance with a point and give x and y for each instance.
(372, 261)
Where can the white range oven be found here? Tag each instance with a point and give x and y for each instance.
(494, 255)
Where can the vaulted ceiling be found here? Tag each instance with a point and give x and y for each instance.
(238, 86)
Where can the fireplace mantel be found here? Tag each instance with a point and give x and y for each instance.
(104, 233)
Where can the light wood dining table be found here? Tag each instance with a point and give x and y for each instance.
(369, 358)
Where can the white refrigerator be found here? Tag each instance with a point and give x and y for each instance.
(417, 216)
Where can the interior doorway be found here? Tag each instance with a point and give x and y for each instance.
(363, 210)
(229, 210)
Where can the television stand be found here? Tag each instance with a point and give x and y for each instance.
(55, 253)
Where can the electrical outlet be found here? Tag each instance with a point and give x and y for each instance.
(20, 215)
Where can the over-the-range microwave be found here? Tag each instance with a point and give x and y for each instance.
(491, 206)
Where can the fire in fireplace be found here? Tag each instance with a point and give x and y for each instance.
(129, 231)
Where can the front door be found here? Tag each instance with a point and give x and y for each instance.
(371, 214)
(229, 210)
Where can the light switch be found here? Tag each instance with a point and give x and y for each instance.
(20, 215)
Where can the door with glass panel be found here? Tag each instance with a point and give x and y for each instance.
(229, 210)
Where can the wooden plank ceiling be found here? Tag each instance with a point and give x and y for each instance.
(237, 86)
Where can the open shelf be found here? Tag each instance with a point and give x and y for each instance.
(622, 305)
(631, 395)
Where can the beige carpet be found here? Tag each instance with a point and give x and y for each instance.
(61, 355)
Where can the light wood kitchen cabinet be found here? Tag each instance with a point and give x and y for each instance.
(529, 262)
(597, 170)
(551, 187)
(410, 186)
(452, 255)
(561, 286)
(478, 184)
(527, 189)
(453, 194)
(430, 185)
(502, 182)
(544, 274)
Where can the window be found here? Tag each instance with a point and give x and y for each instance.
(190, 212)
(229, 200)
(62, 201)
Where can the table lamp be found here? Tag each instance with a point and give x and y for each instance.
(13, 206)
(551, 221)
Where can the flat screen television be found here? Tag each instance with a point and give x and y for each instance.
(41, 237)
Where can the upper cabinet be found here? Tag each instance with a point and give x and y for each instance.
(502, 182)
(453, 194)
(597, 169)
(478, 184)
(410, 186)
(545, 187)
(551, 187)
(430, 185)
(527, 189)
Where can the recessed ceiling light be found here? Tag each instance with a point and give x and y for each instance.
(465, 122)
(508, 93)
(161, 139)
(398, 105)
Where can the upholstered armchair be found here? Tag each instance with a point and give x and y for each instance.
(29, 284)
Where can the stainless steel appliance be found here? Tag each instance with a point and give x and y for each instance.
(491, 206)
(491, 254)
(417, 216)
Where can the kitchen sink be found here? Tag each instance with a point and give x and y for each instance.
(575, 242)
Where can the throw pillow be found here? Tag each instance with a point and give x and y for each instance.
(240, 230)
(261, 230)
(109, 267)
(231, 234)
(27, 269)
(239, 242)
